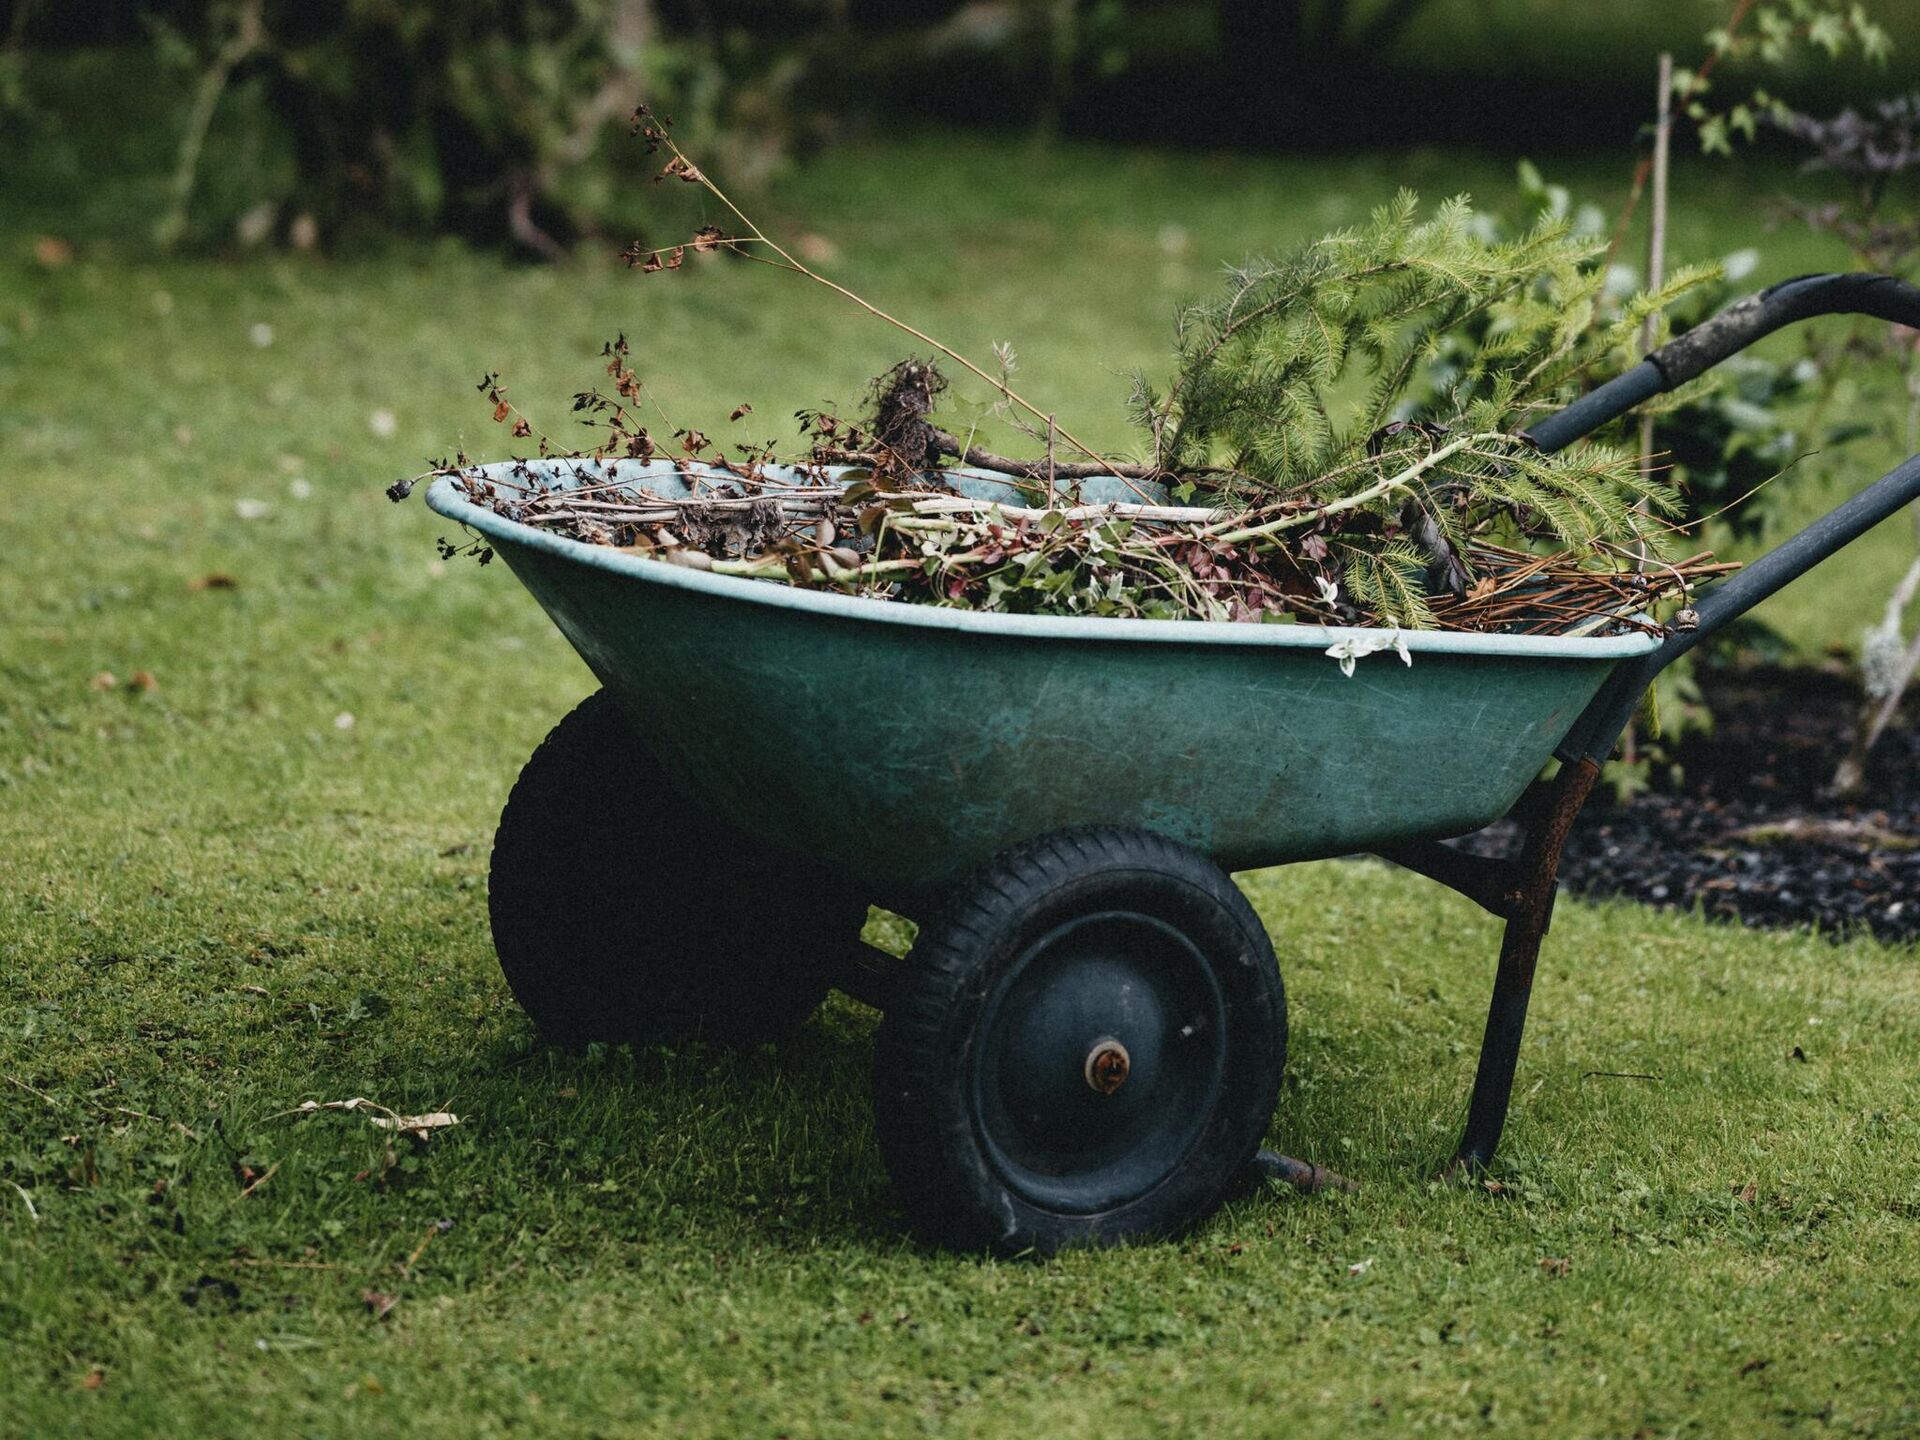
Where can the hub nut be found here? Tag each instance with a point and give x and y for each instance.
(1107, 1065)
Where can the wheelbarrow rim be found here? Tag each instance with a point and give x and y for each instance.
(444, 498)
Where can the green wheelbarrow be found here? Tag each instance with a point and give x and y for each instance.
(1086, 1043)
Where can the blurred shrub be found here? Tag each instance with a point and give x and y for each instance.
(458, 116)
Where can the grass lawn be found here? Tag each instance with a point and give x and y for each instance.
(260, 881)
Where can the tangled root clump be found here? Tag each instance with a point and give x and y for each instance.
(902, 401)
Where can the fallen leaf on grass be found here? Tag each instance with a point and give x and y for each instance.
(52, 252)
(144, 682)
(93, 1379)
(1555, 1265)
(214, 580)
(379, 1303)
(418, 1126)
(105, 680)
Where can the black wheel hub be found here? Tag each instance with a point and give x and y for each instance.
(1100, 1057)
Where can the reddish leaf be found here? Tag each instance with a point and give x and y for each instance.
(378, 1303)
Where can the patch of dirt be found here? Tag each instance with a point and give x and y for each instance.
(1747, 835)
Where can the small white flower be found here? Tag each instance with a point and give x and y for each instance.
(261, 334)
(250, 509)
(1329, 592)
(299, 488)
(382, 423)
(1350, 650)
(343, 721)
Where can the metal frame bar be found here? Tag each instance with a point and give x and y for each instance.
(1522, 891)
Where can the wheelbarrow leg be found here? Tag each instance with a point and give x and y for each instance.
(1527, 923)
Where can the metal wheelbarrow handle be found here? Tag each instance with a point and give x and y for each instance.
(1672, 365)
(1726, 334)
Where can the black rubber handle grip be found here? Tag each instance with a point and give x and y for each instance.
(1745, 321)
(1728, 333)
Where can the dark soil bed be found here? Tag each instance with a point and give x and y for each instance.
(1747, 835)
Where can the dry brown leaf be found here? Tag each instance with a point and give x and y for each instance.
(378, 1303)
(419, 1126)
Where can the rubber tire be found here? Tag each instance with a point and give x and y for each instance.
(924, 1118)
(623, 912)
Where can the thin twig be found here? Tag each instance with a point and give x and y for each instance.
(260, 1179)
(758, 236)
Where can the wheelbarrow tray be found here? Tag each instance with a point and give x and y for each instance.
(908, 743)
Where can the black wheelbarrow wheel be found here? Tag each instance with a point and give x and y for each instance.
(622, 911)
(1085, 1049)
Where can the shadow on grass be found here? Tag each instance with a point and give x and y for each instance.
(697, 1136)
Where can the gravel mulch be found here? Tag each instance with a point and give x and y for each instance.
(1747, 835)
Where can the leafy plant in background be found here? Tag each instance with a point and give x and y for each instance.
(13, 52)
(1874, 153)
(1777, 36)
(456, 116)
